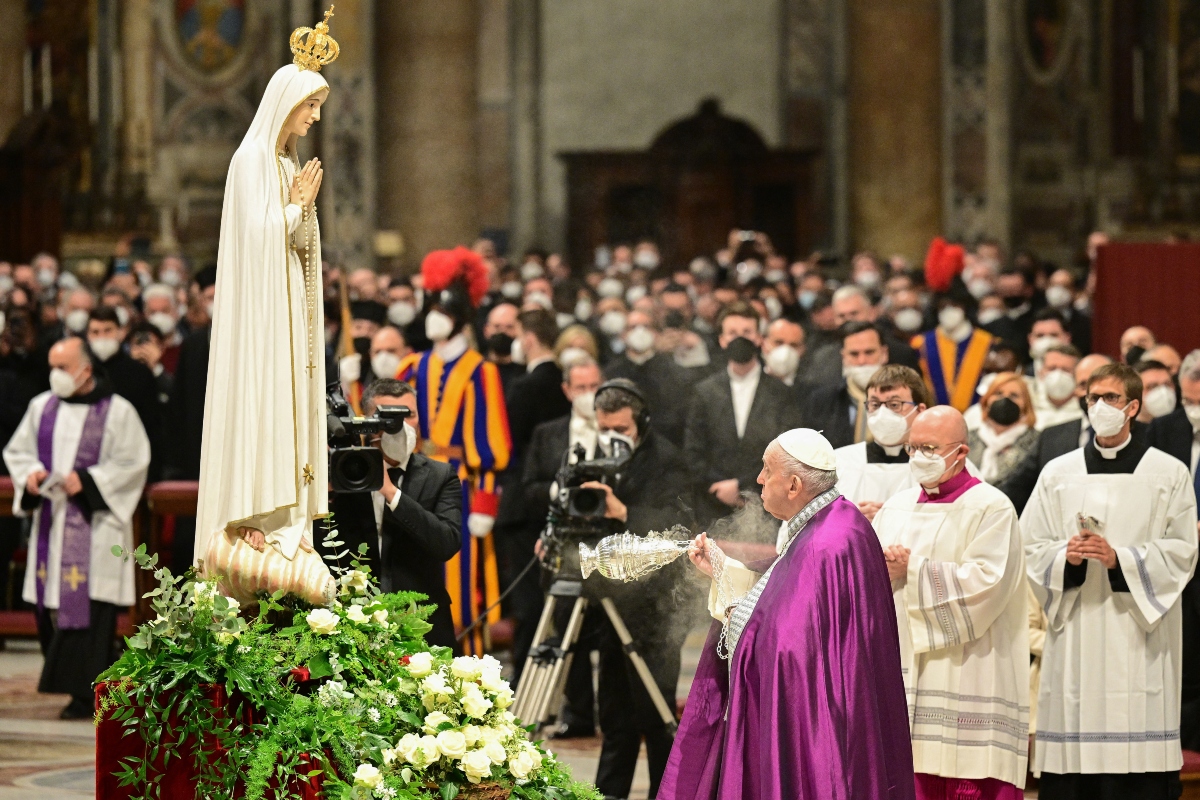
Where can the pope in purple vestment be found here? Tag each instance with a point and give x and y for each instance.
(810, 704)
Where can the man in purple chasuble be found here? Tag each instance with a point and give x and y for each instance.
(799, 693)
(78, 462)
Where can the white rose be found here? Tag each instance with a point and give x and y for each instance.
(452, 744)
(465, 667)
(367, 775)
(355, 614)
(322, 620)
(476, 765)
(491, 680)
(435, 684)
(495, 751)
(380, 616)
(520, 765)
(432, 721)
(504, 698)
(490, 663)
(234, 607)
(406, 748)
(389, 755)
(487, 735)
(471, 732)
(426, 752)
(476, 705)
(534, 754)
(420, 664)
(355, 579)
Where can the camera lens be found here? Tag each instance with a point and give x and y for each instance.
(355, 469)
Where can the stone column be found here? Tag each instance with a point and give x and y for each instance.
(137, 55)
(348, 146)
(12, 65)
(894, 120)
(526, 123)
(426, 117)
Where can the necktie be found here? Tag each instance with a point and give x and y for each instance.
(395, 474)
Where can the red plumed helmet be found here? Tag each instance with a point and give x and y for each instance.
(942, 263)
(443, 268)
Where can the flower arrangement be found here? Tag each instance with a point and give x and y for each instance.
(349, 693)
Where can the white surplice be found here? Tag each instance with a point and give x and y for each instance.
(964, 640)
(862, 482)
(1110, 678)
(119, 474)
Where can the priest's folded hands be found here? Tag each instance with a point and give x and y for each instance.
(896, 557)
(1090, 545)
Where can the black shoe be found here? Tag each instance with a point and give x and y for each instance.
(572, 732)
(77, 709)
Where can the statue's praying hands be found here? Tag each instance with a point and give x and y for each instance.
(307, 183)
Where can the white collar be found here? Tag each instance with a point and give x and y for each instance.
(452, 348)
(749, 377)
(959, 334)
(639, 358)
(530, 366)
(893, 451)
(1110, 453)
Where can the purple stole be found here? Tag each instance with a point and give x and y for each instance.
(74, 602)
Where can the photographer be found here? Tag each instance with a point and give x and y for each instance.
(413, 525)
(643, 500)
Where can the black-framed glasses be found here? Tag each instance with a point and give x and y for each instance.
(929, 450)
(895, 405)
(1114, 399)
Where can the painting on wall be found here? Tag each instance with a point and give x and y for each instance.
(210, 31)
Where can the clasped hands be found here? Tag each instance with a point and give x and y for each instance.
(71, 484)
(1090, 545)
(306, 184)
(896, 557)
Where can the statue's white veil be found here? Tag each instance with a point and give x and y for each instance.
(249, 463)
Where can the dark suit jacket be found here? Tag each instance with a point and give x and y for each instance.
(1173, 435)
(532, 399)
(540, 466)
(665, 384)
(1055, 441)
(135, 382)
(827, 409)
(712, 449)
(185, 409)
(419, 537)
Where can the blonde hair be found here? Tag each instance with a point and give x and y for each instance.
(569, 333)
(1002, 379)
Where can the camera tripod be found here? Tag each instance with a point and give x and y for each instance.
(539, 695)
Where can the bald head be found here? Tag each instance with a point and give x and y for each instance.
(1166, 355)
(1084, 369)
(941, 425)
(1137, 336)
(940, 433)
(70, 356)
(388, 339)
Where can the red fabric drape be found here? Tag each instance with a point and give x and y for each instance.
(1156, 285)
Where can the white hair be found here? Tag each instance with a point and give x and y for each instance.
(851, 290)
(159, 290)
(1190, 368)
(815, 480)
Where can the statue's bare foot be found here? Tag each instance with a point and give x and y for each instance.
(254, 537)
(306, 543)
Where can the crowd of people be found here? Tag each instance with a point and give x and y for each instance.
(698, 368)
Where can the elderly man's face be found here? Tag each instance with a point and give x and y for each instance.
(854, 308)
(388, 340)
(783, 332)
(68, 355)
(779, 491)
(501, 319)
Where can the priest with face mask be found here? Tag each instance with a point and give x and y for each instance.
(954, 555)
(464, 423)
(78, 462)
(1110, 544)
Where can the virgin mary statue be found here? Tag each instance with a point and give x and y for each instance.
(263, 462)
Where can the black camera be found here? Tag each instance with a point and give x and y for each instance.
(353, 467)
(577, 513)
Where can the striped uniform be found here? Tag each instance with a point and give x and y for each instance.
(952, 369)
(463, 421)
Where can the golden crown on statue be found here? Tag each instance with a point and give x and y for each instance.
(313, 48)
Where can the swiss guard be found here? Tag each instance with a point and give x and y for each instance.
(463, 421)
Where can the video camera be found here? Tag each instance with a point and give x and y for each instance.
(577, 514)
(353, 467)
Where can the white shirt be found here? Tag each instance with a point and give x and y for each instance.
(743, 387)
(452, 348)
(530, 366)
(581, 431)
(1085, 426)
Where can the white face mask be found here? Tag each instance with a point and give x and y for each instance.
(517, 353)
(62, 383)
(989, 315)
(163, 321)
(45, 276)
(979, 288)
(950, 317)
(1193, 415)
(583, 310)
(511, 289)
(868, 279)
(1160, 401)
(384, 364)
(1058, 297)
(104, 348)
(860, 375)
(531, 270)
(646, 259)
(438, 326)
(67, 280)
(401, 313)
(1059, 385)
(928, 470)
(1042, 345)
(1106, 420)
(571, 356)
(774, 306)
(640, 339)
(606, 440)
(350, 367)
(76, 320)
(908, 320)
(122, 316)
(887, 427)
(612, 323)
(171, 278)
(540, 298)
(783, 361)
(584, 405)
(6, 283)
(610, 287)
(399, 446)
(634, 293)
(208, 309)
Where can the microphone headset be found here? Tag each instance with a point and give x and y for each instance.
(642, 419)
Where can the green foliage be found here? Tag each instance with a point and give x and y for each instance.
(170, 687)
